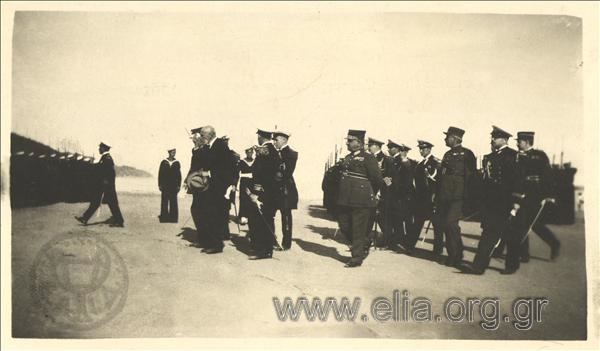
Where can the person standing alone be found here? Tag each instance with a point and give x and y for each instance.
(169, 183)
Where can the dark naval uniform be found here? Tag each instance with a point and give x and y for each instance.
(532, 185)
(286, 192)
(426, 174)
(169, 183)
(245, 168)
(261, 224)
(107, 192)
(457, 169)
(360, 181)
(498, 182)
(383, 214)
(402, 197)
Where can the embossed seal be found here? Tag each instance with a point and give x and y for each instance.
(80, 281)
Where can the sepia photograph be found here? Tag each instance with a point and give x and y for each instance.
(419, 174)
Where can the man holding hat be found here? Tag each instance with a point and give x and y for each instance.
(532, 191)
(426, 175)
(286, 192)
(107, 192)
(386, 166)
(360, 181)
(498, 182)
(458, 168)
(169, 183)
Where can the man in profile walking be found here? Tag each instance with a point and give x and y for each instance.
(106, 192)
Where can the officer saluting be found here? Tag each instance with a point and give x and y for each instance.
(531, 193)
(386, 166)
(498, 182)
(360, 181)
(458, 168)
(426, 175)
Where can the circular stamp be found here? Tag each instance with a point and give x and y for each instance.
(80, 281)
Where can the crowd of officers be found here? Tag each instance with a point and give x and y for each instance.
(399, 195)
(266, 186)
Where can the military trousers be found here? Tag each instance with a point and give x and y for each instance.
(261, 227)
(438, 234)
(169, 211)
(448, 214)
(495, 223)
(354, 224)
(517, 245)
(108, 196)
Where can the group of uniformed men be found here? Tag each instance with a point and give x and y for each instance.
(399, 195)
(392, 191)
(266, 186)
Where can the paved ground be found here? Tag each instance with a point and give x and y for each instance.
(176, 291)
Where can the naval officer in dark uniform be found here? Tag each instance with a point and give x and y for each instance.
(426, 175)
(532, 192)
(169, 183)
(386, 166)
(498, 181)
(457, 170)
(107, 192)
(359, 183)
(286, 191)
(401, 194)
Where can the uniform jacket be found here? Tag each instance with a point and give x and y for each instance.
(169, 176)
(403, 187)
(533, 181)
(457, 171)
(386, 166)
(499, 175)
(287, 192)
(360, 180)
(427, 172)
(106, 171)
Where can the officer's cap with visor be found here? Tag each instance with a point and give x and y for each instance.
(455, 132)
(525, 136)
(499, 133)
(354, 134)
(373, 141)
(422, 144)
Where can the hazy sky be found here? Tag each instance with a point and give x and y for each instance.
(137, 80)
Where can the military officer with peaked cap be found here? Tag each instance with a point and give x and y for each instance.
(498, 181)
(531, 194)
(359, 183)
(426, 175)
(457, 170)
(286, 193)
(386, 165)
(107, 192)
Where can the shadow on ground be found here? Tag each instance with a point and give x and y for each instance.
(321, 250)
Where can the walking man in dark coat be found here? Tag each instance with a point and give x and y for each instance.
(403, 192)
(426, 175)
(531, 194)
(169, 183)
(498, 182)
(382, 214)
(106, 192)
(286, 191)
(458, 168)
(361, 180)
